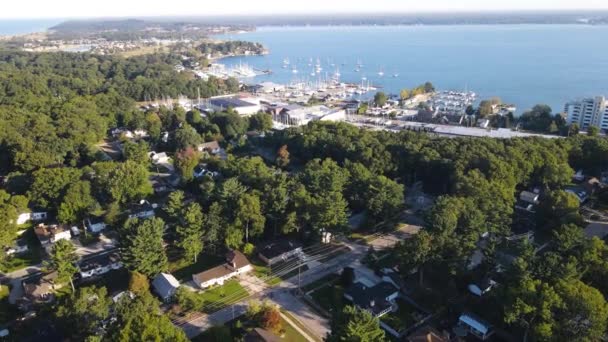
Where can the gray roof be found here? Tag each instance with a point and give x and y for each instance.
(277, 248)
(165, 284)
(372, 298)
(229, 102)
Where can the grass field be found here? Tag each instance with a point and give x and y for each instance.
(330, 297)
(219, 297)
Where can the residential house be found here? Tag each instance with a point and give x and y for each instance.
(279, 250)
(482, 287)
(529, 197)
(144, 210)
(580, 192)
(41, 289)
(48, 235)
(236, 264)
(99, 265)
(212, 147)
(165, 286)
(19, 247)
(378, 299)
(162, 159)
(261, 335)
(428, 334)
(95, 224)
(26, 217)
(476, 326)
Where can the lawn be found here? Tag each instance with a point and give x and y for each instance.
(329, 279)
(31, 258)
(262, 271)
(183, 269)
(299, 325)
(217, 298)
(406, 316)
(290, 333)
(330, 297)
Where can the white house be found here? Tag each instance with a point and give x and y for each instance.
(529, 197)
(212, 147)
(236, 264)
(244, 106)
(99, 265)
(144, 210)
(165, 285)
(96, 225)
(26, 217)
(48, 235)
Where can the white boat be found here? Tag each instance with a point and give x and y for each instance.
(395, 75)
(286, 61)
(381, 73)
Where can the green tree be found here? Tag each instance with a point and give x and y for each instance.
(138, 283)
(128, 182)
(62, 259)
(584, 316)
(353, 324)
(261, 122)
(186, 161)
(385, 198)
(191, 232)
(593, 131)
(175, 205)
(50, 185)
(142, 247)
(136, 151)
(189, 300)
(77, 203)
(214, 224)
(530, 305)
(282, 159)
(140, 319)
(380, 99)
(186, 136)
(82, 313)
(249, 213)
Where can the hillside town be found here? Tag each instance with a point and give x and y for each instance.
(166, 196)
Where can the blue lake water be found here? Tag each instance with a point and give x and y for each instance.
(23, 26)
(522, 64)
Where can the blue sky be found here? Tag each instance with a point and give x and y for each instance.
(122, 8)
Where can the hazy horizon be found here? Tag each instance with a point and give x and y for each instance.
(74, 9)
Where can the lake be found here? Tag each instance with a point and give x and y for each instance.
(23, 26)
(522, 64)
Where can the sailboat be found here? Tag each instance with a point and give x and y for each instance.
(381, 73)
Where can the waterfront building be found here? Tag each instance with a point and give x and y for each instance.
(588, 112)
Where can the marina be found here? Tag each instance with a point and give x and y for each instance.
(409, 55)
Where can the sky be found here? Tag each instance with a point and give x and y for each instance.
(19, 9)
